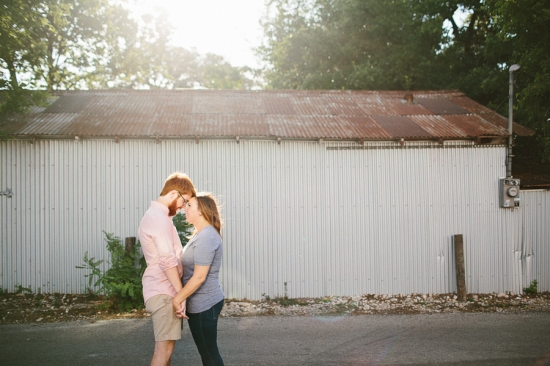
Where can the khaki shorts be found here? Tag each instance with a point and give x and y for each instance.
(167, 326)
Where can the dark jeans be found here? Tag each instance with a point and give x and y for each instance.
(204, 328)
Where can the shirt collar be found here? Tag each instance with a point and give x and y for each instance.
(160, 206)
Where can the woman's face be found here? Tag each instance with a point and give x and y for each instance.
(192, 212)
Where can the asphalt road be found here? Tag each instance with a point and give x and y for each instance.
(437, 339)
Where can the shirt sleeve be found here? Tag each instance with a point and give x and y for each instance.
(205, 247)
(163, 239)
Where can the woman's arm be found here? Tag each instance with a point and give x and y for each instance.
(196, 280)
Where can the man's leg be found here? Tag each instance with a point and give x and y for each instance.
(166, 326)
(163, 353)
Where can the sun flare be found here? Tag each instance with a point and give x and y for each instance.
(227, 28)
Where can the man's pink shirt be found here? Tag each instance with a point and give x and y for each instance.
(162, 250)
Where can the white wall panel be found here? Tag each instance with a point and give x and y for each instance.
(324, 218)
(532, 251)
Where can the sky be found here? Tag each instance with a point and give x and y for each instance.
(230, 28)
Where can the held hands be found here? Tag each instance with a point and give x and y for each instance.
(180, 308)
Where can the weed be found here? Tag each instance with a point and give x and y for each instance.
(267, 297)
(57, 302)
(532, 289)
(20, 289)
(1, 291)
(122, 282)
(103, 306)
(89, 290)
(285, 300)
(341, 308)
(93, 265)
(37, 299)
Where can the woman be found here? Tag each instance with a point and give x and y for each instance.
(201, 298)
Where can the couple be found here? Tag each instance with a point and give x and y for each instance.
(182, 283)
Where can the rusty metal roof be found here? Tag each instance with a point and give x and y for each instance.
(307, 114)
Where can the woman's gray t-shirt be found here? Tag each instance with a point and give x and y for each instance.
(203, 249)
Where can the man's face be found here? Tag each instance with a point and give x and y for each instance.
(177, 204)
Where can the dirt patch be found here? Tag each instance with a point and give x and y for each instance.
(31, 308)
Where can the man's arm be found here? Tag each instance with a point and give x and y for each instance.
(174, 278)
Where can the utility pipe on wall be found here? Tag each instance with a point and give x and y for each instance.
(513, 68)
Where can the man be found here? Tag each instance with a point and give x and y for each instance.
(162, 250)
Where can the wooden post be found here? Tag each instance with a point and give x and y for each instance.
(130, 244)
(459, 266)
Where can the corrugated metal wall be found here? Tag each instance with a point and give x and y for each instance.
(322, 218)
(532, 249)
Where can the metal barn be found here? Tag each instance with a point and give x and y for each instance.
(323, 192)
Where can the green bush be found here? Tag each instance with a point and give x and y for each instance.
(122, 281)
(532, 289)
(182, 227)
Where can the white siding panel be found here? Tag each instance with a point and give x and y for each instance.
(305, 219)
(533, 249)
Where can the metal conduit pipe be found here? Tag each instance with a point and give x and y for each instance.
(512, 68)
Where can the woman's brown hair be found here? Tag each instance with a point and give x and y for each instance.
(208, 207)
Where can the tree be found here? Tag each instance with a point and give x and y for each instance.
(416, 44)
(349, 44)
(67, 44)
(19, 25)
(55, 43)
(524, 31)
(185, 69)
(495, 35)
(216, 73)
(144, 59)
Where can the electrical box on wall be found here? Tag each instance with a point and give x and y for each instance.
(509, 192)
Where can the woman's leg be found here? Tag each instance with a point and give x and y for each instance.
(204, 328)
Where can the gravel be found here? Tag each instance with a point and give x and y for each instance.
(390, 304)
(37, 308)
